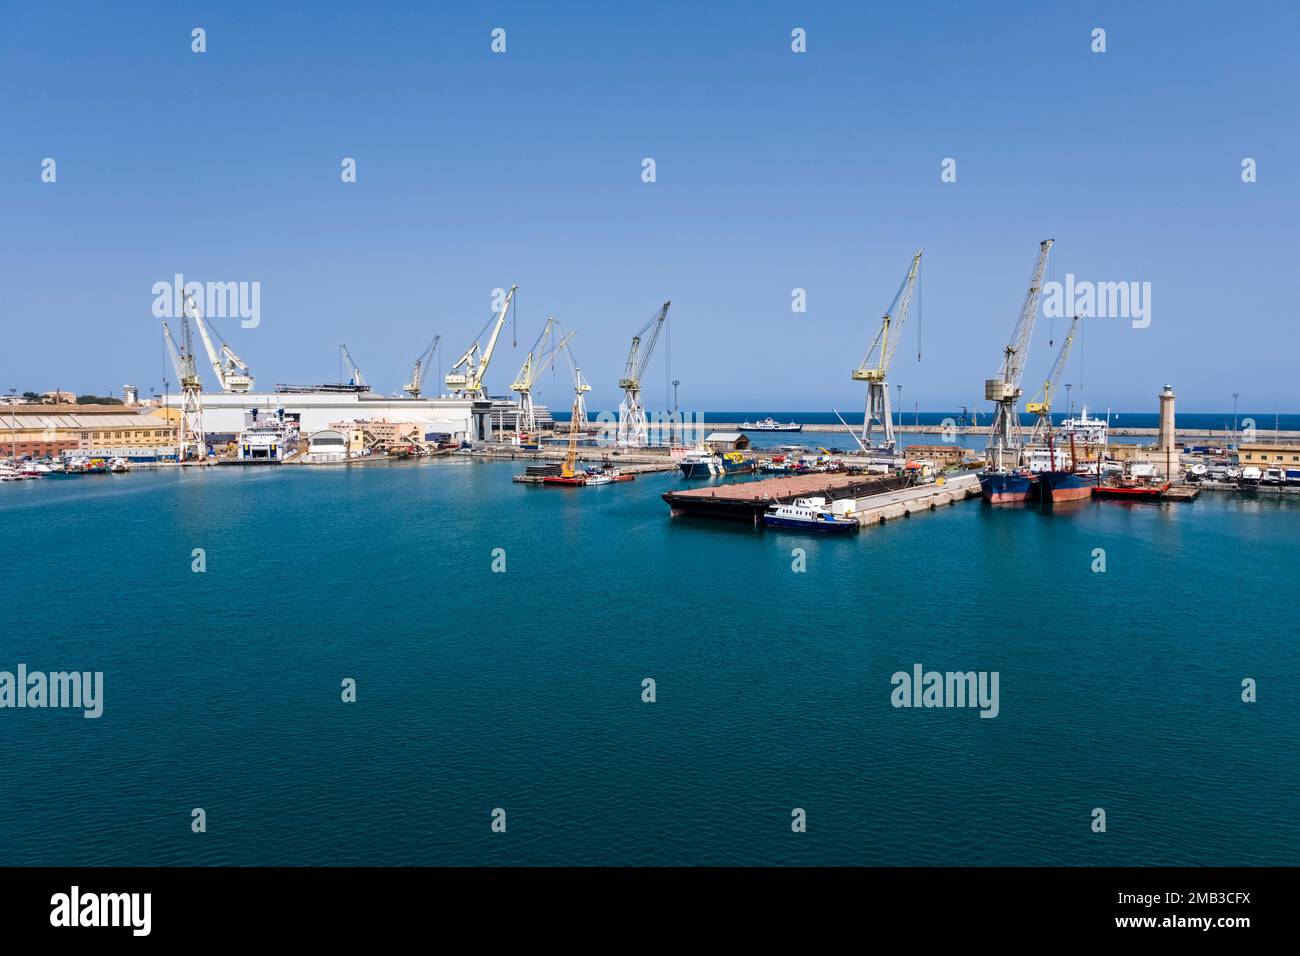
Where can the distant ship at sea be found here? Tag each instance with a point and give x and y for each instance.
(770, 424)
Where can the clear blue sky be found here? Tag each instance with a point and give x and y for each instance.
(775, 171)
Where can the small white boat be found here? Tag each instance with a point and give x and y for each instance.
(808, 514)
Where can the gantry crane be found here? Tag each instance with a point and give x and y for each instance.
(353, 370)
(1005, 437)
(540, 357)
(1042, 406)
(874, 369)
(191, 437)
(469, 383)
(632, 430)
(421, 366)
(578, 420)
(231, 371)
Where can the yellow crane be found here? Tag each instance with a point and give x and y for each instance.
(469, 383)
(539, 358)
(874, 368)
(1042, 406)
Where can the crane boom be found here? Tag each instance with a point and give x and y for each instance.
(1004, 391)
(874, 368)
(421, 366)
(231, 371)
(357, 378)
(470, 382)
(632, 429)
(1042, 407)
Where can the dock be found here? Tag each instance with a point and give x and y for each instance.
(876, 498)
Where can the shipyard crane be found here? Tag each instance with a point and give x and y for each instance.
(469, 383)
(578, 422)
(540, 357)
(1042, 406)
(231, 371)
(1005, 436)
(874, 369)
(191, 436)
(421, 366)
(632, 430)
(353, 370)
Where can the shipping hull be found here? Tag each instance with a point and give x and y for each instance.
(1000, 488)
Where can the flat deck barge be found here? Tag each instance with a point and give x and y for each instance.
(749, 500)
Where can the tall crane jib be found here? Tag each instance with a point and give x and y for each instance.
(190, 434)
(231, 371)
(578, 418)
(1042, 405)
(633, 430)
(1005, 442)
(469, 383)
(874, 368)
(413, 387)
(539, 358)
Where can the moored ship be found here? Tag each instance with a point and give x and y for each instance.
(808, 514)
(770, 424)
(1008, 487)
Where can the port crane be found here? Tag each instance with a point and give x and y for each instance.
(421, 366)
(469, 383)
(578, 420)
(231, 371)
(874, 369)
(353, 370)
(632, 430)
(1042, 405)
(191, 436)
(540, 357)
(1005, 436)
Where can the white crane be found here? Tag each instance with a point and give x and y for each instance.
(578, 420)
(421, 366)
(231, 371)
(353, 370)
(632, 429)
(191, 437)
(540, 357)
(1005, 436)
(469, 383)
(874, 369)
(1042, 406)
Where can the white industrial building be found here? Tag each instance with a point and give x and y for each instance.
(461, 419)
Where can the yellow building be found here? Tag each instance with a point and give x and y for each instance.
(108, 430)
(1269, 454)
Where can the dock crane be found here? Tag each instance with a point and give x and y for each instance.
(353, 370)
(578, 420)
(540, 357)
(191, 436)
(421, 366)
(469, 383)
(874, 369)
(632, 430)
(1005, 436)
(1042, 405)
(231, 371)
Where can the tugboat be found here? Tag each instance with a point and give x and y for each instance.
(808, 514)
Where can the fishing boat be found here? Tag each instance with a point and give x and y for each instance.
(1129, 488)
(808, 514)
(770, 424)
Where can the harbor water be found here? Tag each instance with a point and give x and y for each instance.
(521, 688)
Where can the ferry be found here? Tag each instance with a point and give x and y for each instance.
(808, 514)
(770, 424)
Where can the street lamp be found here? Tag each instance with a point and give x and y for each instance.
(13, 418)
(677, 439)
(900, 406)
(1234, 418)
(1069, 407)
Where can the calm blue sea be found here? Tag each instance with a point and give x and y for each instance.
(522, 690)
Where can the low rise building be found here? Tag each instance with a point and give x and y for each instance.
(1269, 455)
(38, 431)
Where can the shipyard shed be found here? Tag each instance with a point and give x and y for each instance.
(722, 442)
